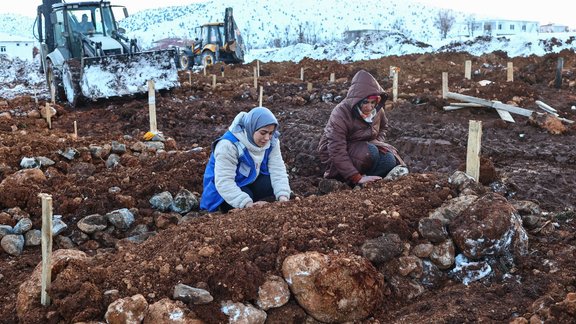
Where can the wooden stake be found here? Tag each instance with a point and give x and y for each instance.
(302, 74)
(473, 152)
(395, 87)
(391, 71)
(444, 85)
(53, 95)
(49, 115)
(222, 70)
(255, 78)
(213, 81)
(46, 276)
(332, 77)
(260, 96)
(190, 78)
(204, 70)
(468, 69)
(152, 106)
(75, 130)
(309, 87)
(510, 72)
(258, 67)
(559, 67)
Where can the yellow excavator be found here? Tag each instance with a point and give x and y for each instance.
(216, 42)
(85, 54)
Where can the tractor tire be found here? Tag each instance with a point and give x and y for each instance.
(185, 62)
(71, 81)
(54, 82)
(208, 58)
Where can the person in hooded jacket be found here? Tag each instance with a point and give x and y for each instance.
(353, 146)
(246, 167)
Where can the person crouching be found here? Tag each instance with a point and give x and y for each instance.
(246, 168)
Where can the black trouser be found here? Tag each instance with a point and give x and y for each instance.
(260, 189)
(382, 163)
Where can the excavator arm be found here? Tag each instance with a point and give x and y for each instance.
(233, 41)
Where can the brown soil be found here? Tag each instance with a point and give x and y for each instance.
(532, 159)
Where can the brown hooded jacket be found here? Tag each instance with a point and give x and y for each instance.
(343, 147)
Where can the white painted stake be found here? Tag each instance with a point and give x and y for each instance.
(332, 77)
(510, 72)
(49, 115)
(444, 85)
(473, 152)
(75, 130)
(255, 78)
(213, 81)
(309, 87)
(46, 276)
(468, 69)
(258, 67)
(260, 96)
(152, 106)
(395, 86)
(302, 74)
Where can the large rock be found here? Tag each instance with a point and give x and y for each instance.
(29, 291)
(127, 310)
(170, 311)
(489, 227)
(334, 288)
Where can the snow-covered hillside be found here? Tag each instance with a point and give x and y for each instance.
(272, 29)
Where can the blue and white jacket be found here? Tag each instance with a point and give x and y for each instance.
(234, 163)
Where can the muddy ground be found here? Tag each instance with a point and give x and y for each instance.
(532, 159)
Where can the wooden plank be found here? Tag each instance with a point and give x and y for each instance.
(546, 108)
(505, 115)
(450, 108)
(473, 149)
(466, 104)
(488, 103)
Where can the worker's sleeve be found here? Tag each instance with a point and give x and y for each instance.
(278, 173)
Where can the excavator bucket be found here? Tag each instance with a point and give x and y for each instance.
(233, 39)
(126, 74)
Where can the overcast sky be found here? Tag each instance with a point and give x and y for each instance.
(556, 11)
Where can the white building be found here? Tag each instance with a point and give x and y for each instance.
(499, 27)
(554, 28)
(16, 46)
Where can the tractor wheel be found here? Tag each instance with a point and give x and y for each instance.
(71, 81)
(54, 82)
(208, 58)
(184, 62)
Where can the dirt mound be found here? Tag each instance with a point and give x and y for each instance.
(522, 161)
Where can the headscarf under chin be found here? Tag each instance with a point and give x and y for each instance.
(255, 119)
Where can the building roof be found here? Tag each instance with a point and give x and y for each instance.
(11, 38)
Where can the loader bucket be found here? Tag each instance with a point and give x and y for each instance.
(125, 74)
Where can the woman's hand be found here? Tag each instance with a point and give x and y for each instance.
(255, 204)
(367, 178)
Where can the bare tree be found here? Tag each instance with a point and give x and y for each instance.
(444, 22)
(287, 35)
(470, 25)
(300, 33)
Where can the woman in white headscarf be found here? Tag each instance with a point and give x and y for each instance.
(246, 167)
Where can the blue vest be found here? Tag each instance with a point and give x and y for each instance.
(245, 172)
